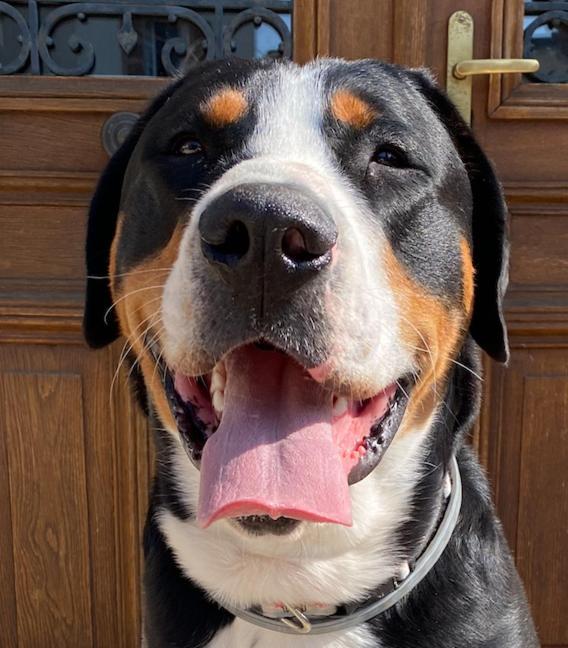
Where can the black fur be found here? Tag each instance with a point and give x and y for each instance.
(100, 325)
(489, 227)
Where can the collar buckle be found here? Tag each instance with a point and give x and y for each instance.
(301, 624)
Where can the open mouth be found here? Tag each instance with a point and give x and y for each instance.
(274, 444)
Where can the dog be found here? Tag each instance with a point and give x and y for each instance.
(305, 262)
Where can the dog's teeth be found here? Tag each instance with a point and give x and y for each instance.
(340, 406)
(218, 378)
(219, 401)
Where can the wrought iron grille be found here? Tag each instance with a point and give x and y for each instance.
(546, 39)
(53, 37)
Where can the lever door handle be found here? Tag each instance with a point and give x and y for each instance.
(461, 66)
(470, 67)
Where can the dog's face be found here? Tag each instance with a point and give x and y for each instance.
(296, 255)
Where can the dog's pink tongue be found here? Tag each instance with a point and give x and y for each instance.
(273, 453)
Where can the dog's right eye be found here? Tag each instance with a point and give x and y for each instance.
(391, 156)
(186, 145)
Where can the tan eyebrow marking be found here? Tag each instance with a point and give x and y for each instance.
(225, 107)
(351, 109)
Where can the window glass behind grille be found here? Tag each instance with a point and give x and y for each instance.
(546, 39)
(51, 37)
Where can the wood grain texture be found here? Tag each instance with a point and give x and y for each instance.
(527, 463)
(410, 32)
(543, 495)
(56, 245)
(8, 608)
(97, 431)
(58, 141)
(304, 30)
(46, 187)
(46, 464)
(356, 29)
(539, 256)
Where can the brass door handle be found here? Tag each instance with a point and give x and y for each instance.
(463, 69)
(461, 66)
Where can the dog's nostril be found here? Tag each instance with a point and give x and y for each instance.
(294, 245)
(305, 244)
(232, 249)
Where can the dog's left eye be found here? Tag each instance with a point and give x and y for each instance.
(390, 156)
(186, 145)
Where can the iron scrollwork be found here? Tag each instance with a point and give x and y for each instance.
(213, 25)
(549, 19)
(257, 16)
(24, 39)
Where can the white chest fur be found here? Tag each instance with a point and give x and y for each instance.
(241, 634)
(327, 564)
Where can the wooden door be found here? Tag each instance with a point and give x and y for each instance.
(522, 123)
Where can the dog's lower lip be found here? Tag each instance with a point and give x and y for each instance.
(194, 432)
(263, 524)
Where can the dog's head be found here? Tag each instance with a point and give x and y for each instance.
(296, 256)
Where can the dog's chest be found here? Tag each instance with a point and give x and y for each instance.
(240, 634)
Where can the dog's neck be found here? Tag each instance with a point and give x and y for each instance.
(316, 619)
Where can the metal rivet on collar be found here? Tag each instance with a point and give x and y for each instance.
(303, 625)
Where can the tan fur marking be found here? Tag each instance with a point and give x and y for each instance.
(138, 308)
(225, 107)
(352, 110)
(434, 330)
(468, 276)
(112, 266)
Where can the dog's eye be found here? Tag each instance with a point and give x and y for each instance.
(186, 145)
(390, 156)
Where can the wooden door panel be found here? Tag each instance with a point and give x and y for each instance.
(72, 469)
(57, 236)
(538, 255)
(45, 448)
(529, 456)
(60, 141)
(543, 497)
(390, 30)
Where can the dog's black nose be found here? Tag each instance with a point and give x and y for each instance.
(269, 229)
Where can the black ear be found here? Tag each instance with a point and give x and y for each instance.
(489, 226)
(100, 325)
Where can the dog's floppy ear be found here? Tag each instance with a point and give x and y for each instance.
(100, 325)
(489, 226)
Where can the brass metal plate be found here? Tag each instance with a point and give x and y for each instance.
(460, 48)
